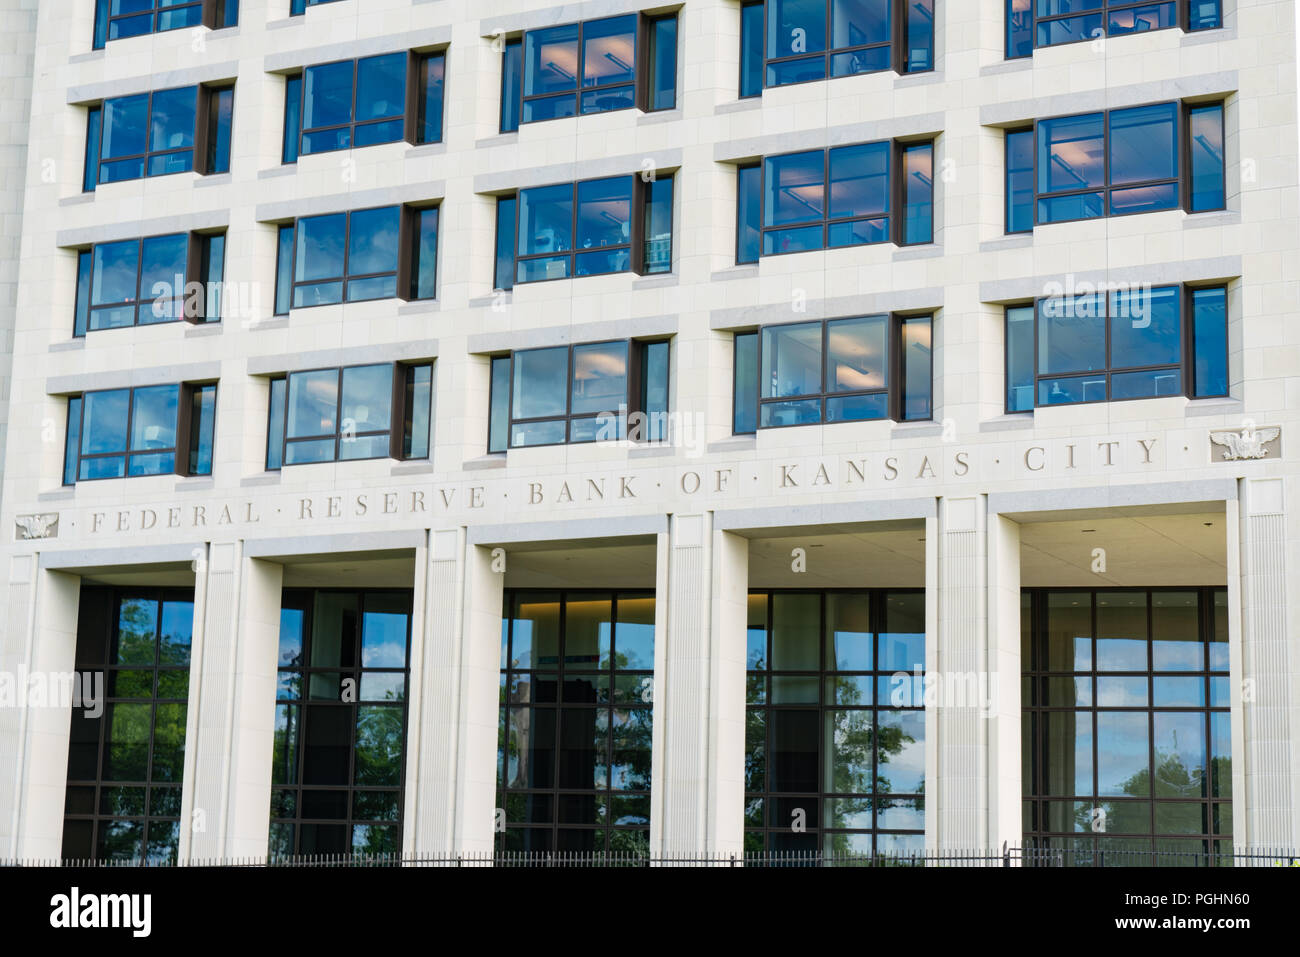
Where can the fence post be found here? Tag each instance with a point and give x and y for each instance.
(1006, 855)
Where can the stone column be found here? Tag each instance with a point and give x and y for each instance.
(1264, 698)
(226, 802)
(39, 642)
(960, 811)
(479, 670)
(1003, 715)
(702, 580)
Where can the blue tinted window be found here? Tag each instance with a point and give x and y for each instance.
(292, 118)
(918, 193)
(1106, 164)
(1210, 331)
(749, 206)
(90, 171)
(1205, 155)
(585, 229)
(745, 397)
(499, 404)
(662, 33)
(353, 103)
(119, 19)
(1043, 23)
(299, 7)
(284, 270)
(203, 414)
(512, 78)
(751, 49)
(918, 369)
(133, 281)
(335, 414)
(153, 134)
(275, 425)
(73, 441)
(1020, 181)
(841, 197)
(920, 36)
(505, 259)
(424, 271)
(587, 67)
(418, 412)
(1020, 359)
(127, 432)
(1126, 344)
(432, 79)
(346, 257)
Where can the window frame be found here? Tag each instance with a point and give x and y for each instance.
(895, 45)
(396, 432)
(895, 389)
(1186, 366)
(304, 600)
(407, 268)
(878, 598)
(414, 107)
(634, 396)
(109, 599)
(1182, 18)
(1182, 163)
(637, 242)
(185, 431)
(206, 135)
(197, 265)
(213, 14)
(1034, 707)
(895, 218)
(642, 70)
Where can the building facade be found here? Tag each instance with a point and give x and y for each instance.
(857, 425)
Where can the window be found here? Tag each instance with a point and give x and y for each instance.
(150, 430)
(1131, 343)
(1127, 734)
(593, 392)
(835, 723)
(590, 67)
(840, 370)
(826, 199)
(156, 134)
(298, 7)
(354, 103)
(576, 721)
(383, 253)
(799, 41)
(118, 19)
(1044, 23)
(150, 280)
(1115, 163)
(338, 763)
(328, 415)
(591, 228)
(126, 767)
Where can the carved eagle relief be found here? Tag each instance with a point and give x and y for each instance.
(1246, 444)
(36, 526)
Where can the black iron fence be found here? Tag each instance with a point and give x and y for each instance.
(1048, 857)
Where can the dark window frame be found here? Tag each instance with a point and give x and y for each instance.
(181, 451)
(1185, 367)
(203, 159)
(405, 274)
(197, 264)
(303, 599)
(99, 599)
(635, 246)
(642, 71)
(816, 827)
(895, 389)
(1034, 746)
(1182, 164)
(398, 415)
(606, 831)
(896, 45)
(414, 107)
(635, 393)
(1182, 16)
(213, 14)
(895, 218)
